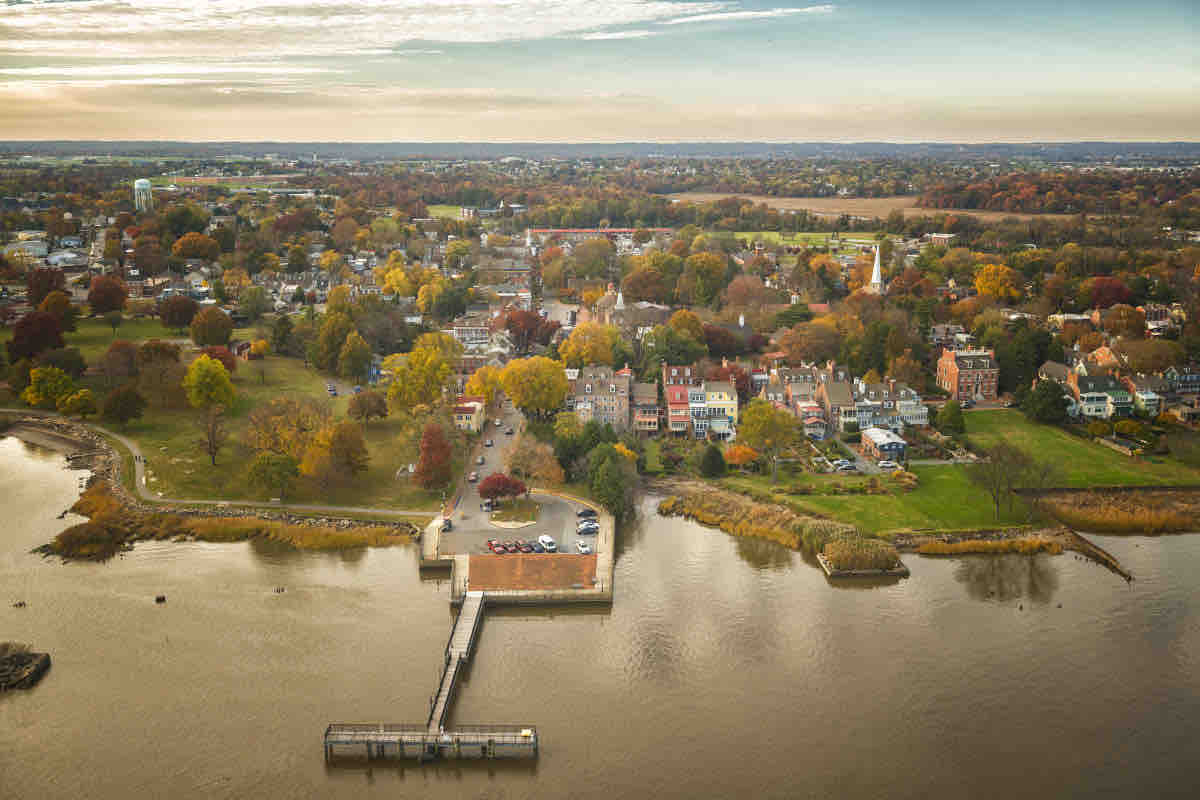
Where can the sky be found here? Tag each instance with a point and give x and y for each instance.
(600, 70)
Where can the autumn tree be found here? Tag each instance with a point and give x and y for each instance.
(58, 305)
(106, 294)
(810, 342)
(34, 333)
(365, 405)
(1125, 320)
(178, 311)
(646, 284)
(950, 418)
(688, 324)
(536, 385)
(123, 404)
(434, 463)
(41, 282)
(253, 302)
(46, 386)
(348, 449)
(485, 383)
(417, 379)
(740, 456)
(287, 424)
(196, 245)
(533, 460)
(702, 279)
(81, 402)
(590, 343)
(209, 389)
(904, 368)
(68, 359)
(593, 257)
(328, 345)
(297, 259)
(160, 374)
(767, 429)
(211, 326)
(281, 334)
(274, 472)
(119, 361)
(354, 358)
(498, 485)
(998, 281)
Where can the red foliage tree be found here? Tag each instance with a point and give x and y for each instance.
(499, 485)
(1105, 292)
(523, 325)
(178, 311)
(34, 333)
(433, 467)
(41, 282)
(107, 294)
(721, 342)
(222, 354)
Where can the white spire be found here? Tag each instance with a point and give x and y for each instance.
(876, 284)
(620, 304)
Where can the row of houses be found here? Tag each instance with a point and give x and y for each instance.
(1113, 396)
(827, 399)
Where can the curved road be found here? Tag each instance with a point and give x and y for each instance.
(140, 482)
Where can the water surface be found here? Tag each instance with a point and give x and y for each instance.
(725, 666)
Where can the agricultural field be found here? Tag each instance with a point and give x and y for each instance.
(1082, 463)
(443, 211)
(868, 207)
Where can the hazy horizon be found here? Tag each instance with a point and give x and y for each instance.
(577, 71)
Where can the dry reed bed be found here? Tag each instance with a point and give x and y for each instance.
(1126, 512)
(112, 525)
(1026, 545)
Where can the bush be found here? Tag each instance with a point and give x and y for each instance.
(1099, 429)
(712, 464)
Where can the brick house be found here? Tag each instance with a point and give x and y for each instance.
(968, 374)
(603, 395)
(645, 408)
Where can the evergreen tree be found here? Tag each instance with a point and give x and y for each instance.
(712, 463)
(950, 418)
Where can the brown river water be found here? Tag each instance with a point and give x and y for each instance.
(725, 667)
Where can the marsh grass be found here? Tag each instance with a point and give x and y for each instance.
(1025, 545)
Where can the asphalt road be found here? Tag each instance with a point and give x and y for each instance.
(472, 529)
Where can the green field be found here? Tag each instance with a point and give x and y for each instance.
(170, 438)
(1081, 463)
(443, 211)
(849, 242)
(943, 499)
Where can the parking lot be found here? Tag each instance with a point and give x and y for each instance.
(556, 518)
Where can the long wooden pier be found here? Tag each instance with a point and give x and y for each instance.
(431, 741)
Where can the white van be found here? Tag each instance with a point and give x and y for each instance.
(548, 543)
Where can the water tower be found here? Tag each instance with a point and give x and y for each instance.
(143, 200)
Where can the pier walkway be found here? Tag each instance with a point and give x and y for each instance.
(431, 741)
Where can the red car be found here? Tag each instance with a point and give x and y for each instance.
(524, 546)
(511, 547)
(498, 549)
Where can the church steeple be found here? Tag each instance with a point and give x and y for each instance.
(876, 285)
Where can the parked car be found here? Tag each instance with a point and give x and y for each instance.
(474, 476)
(548, 543)
(508, 432)
(583, 548)
(524, 546)
(511, 547)
(537, 547)
(488, 443)
(493, 542)
(847, 468)
(498, 549)
(586, 512)
(584, 529)
(486, 505)
(888, 464)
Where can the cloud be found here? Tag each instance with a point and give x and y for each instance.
(153, 68)
(600, 37)
(309, 28)
(729, 16)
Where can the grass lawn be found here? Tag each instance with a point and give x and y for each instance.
(1081, 463)
(170, 440)
(808, 238)
(943, 499)
(654, 464)
(443, 211)
(93, 335)
(520, 510)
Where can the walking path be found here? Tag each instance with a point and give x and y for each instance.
(139, 467)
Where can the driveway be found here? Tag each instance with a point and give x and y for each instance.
(471, 527)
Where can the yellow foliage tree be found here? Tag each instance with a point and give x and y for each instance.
(485, 382)
(417, 379)
(536, 385)
(688, 324)
(590, 343)
(625, 451)
(999, 281)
